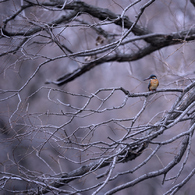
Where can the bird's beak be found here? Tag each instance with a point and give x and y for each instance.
(147, 79)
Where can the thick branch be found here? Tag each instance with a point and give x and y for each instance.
(102, 14)
(161, 41)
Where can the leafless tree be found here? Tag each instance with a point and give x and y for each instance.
(76, 116)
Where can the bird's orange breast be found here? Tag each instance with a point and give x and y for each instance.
(153, 84)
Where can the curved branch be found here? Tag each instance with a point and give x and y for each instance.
(101, 14)
(161, 41)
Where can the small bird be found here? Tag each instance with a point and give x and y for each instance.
(153, 84)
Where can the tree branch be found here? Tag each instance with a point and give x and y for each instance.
(161, 42)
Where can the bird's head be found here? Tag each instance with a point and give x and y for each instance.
(151, 77)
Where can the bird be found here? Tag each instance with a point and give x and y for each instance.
(153, 84)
